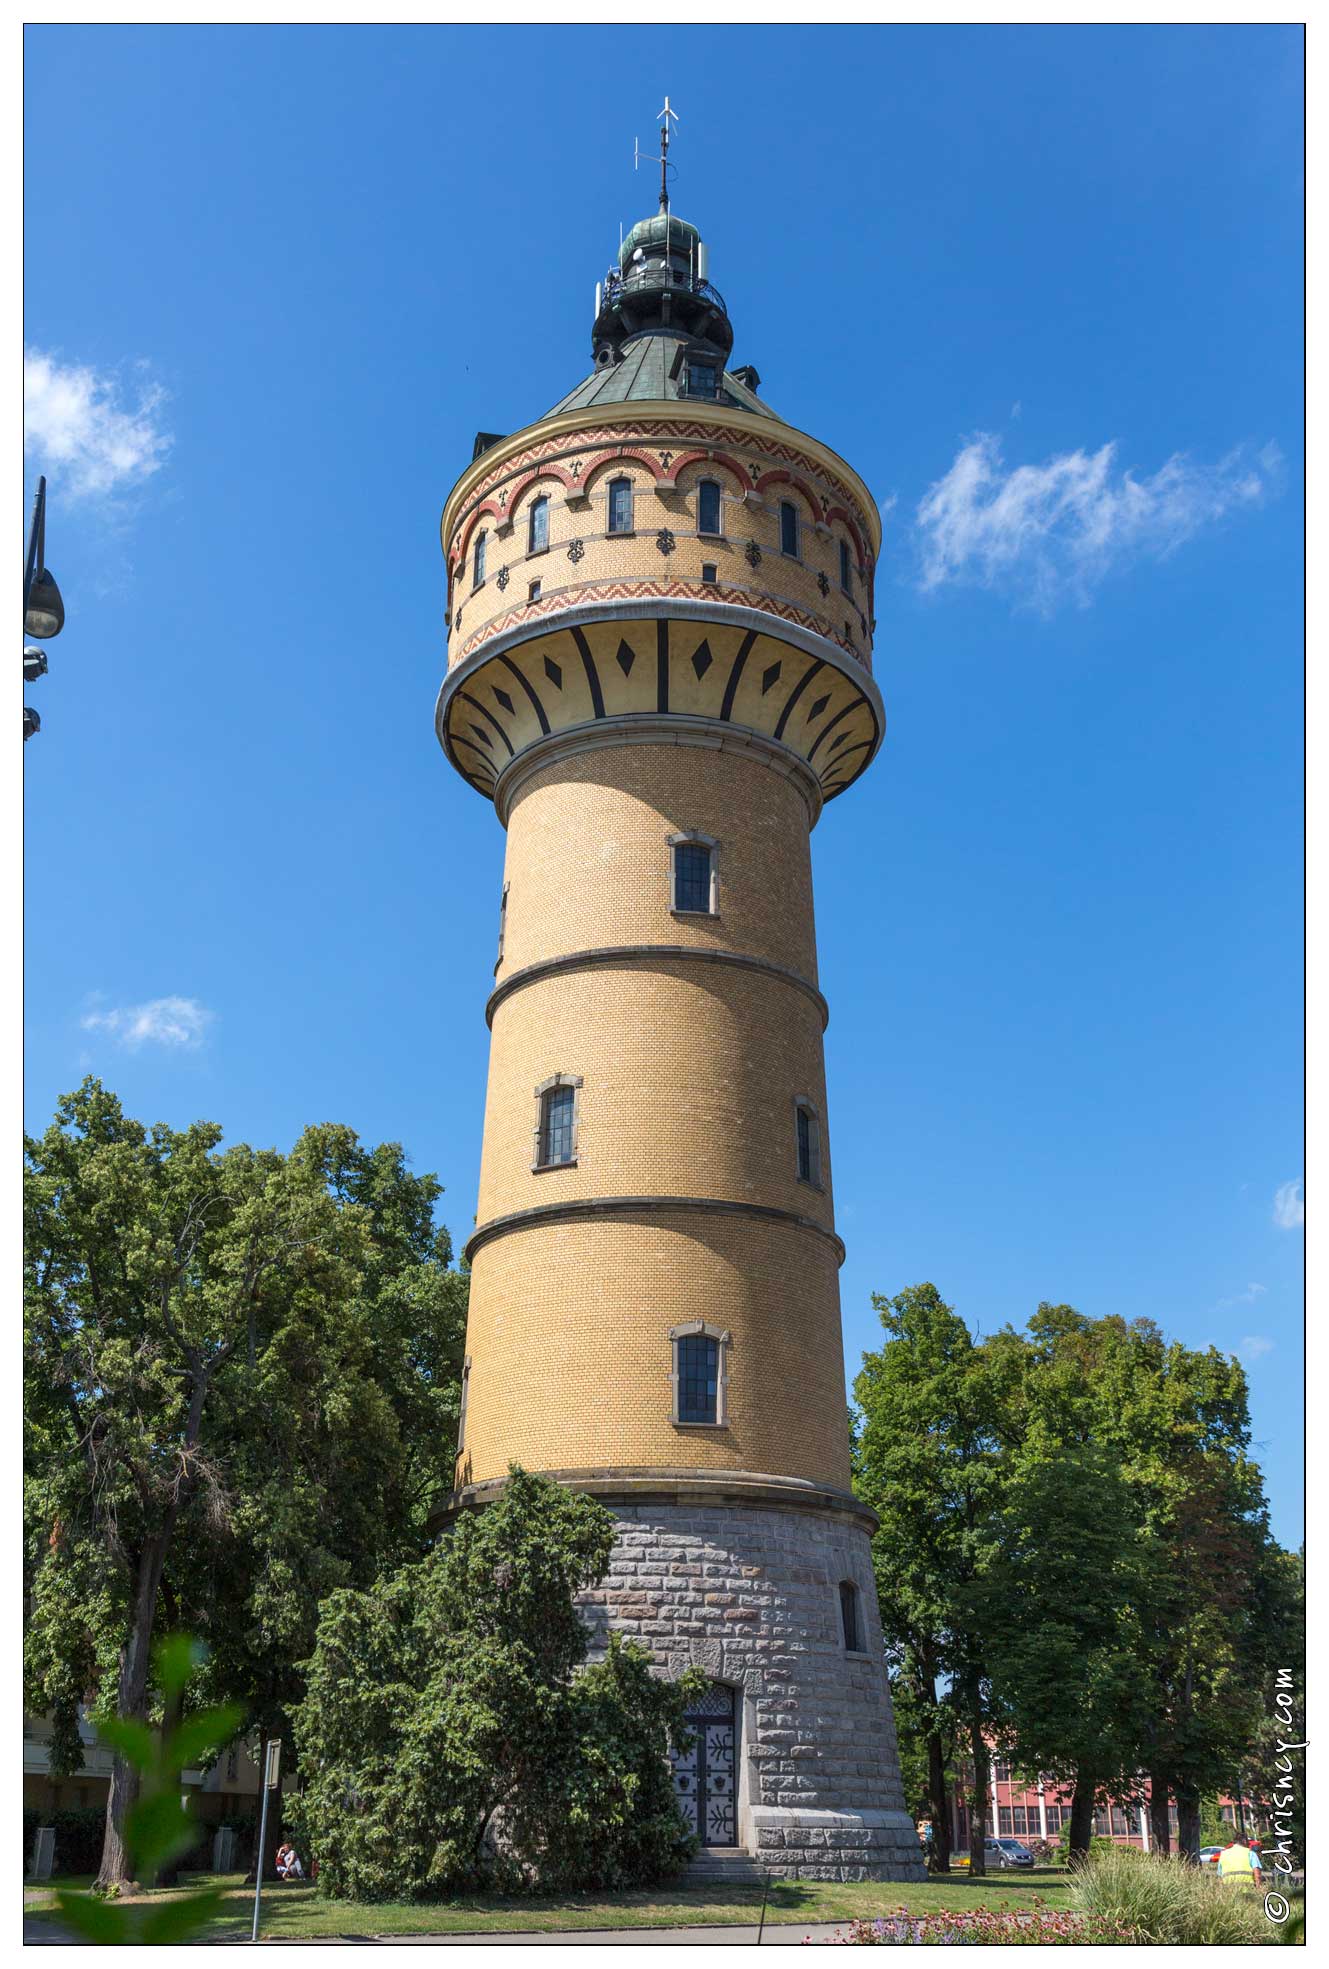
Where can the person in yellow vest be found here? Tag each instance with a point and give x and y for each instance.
(1237, 1862)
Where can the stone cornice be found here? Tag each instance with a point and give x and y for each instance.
(659, 1483)
(579, 1209)
(630, 953)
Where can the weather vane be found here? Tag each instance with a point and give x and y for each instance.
(639, 156)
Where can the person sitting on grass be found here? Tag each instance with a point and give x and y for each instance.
(288, 1862)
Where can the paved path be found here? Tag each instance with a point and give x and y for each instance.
(787, 1934)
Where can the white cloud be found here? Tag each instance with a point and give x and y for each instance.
(83, 428)
(1253, 1292)
(177, 1022)
(1289, 1206)
(1253, 1346)
(1051, 532)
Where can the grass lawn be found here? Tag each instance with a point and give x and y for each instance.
(292, 1912)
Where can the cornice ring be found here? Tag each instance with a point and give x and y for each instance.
(627, 953)
(572, 1208)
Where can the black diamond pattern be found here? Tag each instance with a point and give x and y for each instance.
(625, 657)
(769, 677)
(836, 742)
(817, 709)
(456, 620)
(554, 673)
(702, 659)
(504, 699)
(483, 737)
(664, 540)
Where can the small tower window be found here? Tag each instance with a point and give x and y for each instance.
(849, 1621)
(556, 1121)
(807, 1142)
(701, 379)
(694, 875)
(465, 1394)
(846, 569)
(789, 528)
(533, 592)
(709, 571)
(700, 1375)
(620, 505)
(478, 562)
(708, 507)
(538, 536)
(502, 925)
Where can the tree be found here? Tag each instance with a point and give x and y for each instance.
(240, 1379)
(928, 1462)
(447, 1739)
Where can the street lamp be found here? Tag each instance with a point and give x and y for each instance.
(43, 609)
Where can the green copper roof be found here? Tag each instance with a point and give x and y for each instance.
(654, 232)
(643, 376)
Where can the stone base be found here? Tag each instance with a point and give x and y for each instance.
(749, 1590)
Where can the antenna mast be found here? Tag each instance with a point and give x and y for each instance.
(642, 157)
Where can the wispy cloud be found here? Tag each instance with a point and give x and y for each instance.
(1253, 1346)
(1253, 1292)
(100, 437)
(175, 1022)
(1289, 1206)
(1048, 533)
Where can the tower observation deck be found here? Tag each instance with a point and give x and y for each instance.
(660, 671)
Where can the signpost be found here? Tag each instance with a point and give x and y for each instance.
(271, 1773)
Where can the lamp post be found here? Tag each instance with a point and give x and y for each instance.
(43, 609)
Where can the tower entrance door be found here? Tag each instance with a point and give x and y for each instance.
(705, 1775)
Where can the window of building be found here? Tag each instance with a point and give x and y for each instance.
(708, 507)
(1002, 1771)
(620, 505)
(502, 925)
(709, 571)
(232, 1765)
(789, 528)
(1120, 1823)
(461, 1412)
(807, 1142)
(533, 592)
(556, 1122)
(1004, 1825)
(478, 560)
(846, 568)
(694, 875)
(538, 532)
(849, 1622)
(701, 379)
(1102, 1824)
(1020, 1818)
(700, 1377)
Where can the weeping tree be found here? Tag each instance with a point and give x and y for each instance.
(240, 1381)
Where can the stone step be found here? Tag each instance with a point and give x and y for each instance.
(723, 1863)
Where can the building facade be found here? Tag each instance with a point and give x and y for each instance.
(660, 672)
(1021, 1809)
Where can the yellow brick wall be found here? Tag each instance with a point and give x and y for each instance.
(568, 1339)
(588, 858)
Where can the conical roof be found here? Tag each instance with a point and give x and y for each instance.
(644, 373)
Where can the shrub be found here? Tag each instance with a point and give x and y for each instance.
(79, 1831)
(448, 1740)
(1167, 1901)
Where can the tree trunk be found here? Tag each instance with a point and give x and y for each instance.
(173, 1708)
(132, 1702)
(1188, 1822)
(938, 1804)
(978, 1803)
(1160, 1825)
(1082, 1818)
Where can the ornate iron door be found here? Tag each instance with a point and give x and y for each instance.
(704, 1776)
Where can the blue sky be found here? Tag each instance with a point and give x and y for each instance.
(1042, 287)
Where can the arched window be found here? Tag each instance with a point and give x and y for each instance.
(538, 537)
(478, 562)
(807, 1142)
(620, 505)
(846, 568)
(789, 528)
(557, 1104)
(700, 1375)
(849, 1621)
(708, 507)
(694, 875)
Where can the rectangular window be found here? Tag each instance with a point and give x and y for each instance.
(846, 569)
(1102, 1824)
(708, 507)
(1020, 1818)
(709, 571)
(556, 1125)
(809, 1148)
(620, 506)
(465, 1395)
(1002, 1772)
(692, 877)
(1004, 1819)
(788, 528)
(849, 1616)
(1119, 1823)
(698, 1378)
(478, 565)
(539, 528)
(502, 926)
(701, 379)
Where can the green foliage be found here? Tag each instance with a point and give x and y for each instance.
(78, 1829)
(158, 1829)
(447, 1740)
(1165, 1902)
(241, 1385)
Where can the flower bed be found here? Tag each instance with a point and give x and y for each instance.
(1037, 1925)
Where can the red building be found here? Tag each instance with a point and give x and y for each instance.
(1020, 1810)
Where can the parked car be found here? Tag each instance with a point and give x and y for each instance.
(1209, 1855)
(1006, 1853)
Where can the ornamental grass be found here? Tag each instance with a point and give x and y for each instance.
(1163, 1901)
